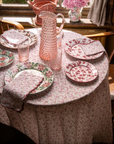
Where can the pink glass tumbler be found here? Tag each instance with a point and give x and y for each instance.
(23, 51)
(55, 63)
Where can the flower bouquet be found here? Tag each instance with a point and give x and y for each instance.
(76, 7)
(70, 4)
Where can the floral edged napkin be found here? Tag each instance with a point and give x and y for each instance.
(16, 91)
(89, 46)
(13, 37)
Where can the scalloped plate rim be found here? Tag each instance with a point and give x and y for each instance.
(6, 55)
(85, 66)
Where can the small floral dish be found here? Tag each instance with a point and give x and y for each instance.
(31, 35)
(6, 58)
(81, 71)
(34, 68)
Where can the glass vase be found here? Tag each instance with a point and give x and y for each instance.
(75, 14)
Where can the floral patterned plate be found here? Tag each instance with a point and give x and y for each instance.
(6, 58)
(81, 71)
(31, 35)
(34, 68)
(75, 51)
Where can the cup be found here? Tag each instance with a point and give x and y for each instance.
(23, 51)
(55, 63)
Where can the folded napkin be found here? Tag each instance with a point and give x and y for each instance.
(27, 33)
(16, 91)
(14, 37)
(89, 46)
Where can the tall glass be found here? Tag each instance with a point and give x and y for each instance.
(23, 51)
(55, 63)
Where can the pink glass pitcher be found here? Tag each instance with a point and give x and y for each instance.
(48, 43)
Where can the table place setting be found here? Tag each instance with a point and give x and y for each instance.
(84, 48)
(12, 37)
(23, 79)
(16, 91)
(32, 68)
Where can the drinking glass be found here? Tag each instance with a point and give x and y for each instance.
(59, 39)
(55, 63)
(23, 51)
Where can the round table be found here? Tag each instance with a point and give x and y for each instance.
(67, 112)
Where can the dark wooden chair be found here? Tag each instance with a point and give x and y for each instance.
(111, 66)
(6, 25)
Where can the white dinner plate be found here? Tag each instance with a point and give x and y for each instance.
(34, 68)
(75, 51)
(31, 35)
(81, 71)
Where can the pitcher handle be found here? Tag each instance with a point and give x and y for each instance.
(62, 24)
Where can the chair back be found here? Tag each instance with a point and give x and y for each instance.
(6, 25)
(100, 35)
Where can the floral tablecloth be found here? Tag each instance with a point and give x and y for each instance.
(67, 112)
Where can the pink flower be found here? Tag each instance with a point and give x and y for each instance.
(10, 54)
(10, 60)
(2, 58)
(2, 64)
(41, 67)
(46, 84)
(49, 74)
(3, 52)
(70, 4)
(27, 64)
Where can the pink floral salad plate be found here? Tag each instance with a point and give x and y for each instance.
(76, 51)
(6, 58)
(81, 71)
(34, 68)
(31, 35)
